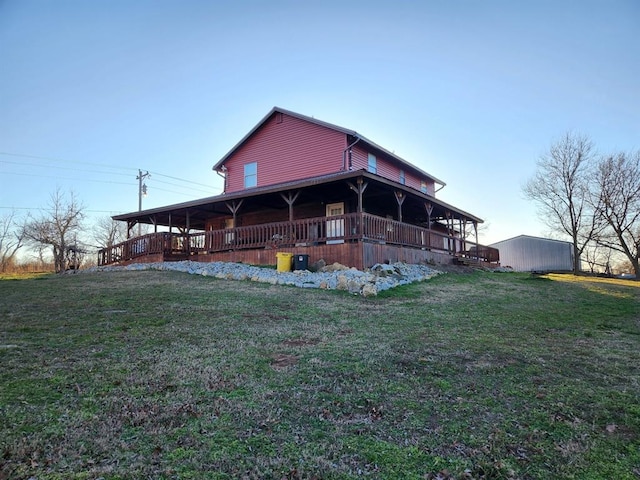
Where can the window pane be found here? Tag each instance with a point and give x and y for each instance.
(373, 164)
(251, 174)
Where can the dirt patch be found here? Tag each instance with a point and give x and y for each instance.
(344, 332)
(281, 361)
(301, 342)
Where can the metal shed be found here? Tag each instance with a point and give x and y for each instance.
(528, 254)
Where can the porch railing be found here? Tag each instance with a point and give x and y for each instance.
(309, 231)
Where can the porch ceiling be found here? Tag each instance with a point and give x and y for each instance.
(326, 189)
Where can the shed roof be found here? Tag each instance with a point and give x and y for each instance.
(529, 237)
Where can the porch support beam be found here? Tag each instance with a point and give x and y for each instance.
(290, 198)
(130, 225)
(400, 198)
(429, 209)
(475, 231)
(233, 207)
(187, 221)
(450, 242)
(170, 224)
(359, 189)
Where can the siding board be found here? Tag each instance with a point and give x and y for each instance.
(286, 150)
(390, 170)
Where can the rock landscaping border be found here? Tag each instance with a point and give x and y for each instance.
(330, 277)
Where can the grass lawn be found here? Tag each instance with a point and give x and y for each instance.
(165, 375)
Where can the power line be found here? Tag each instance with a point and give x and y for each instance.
(109, 182)
(67, 178)
(171, 191)
(180, 186)
(182, 180)
(52, 159)
(44, 208)
(64, 168)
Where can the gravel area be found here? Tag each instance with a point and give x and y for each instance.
(332, 277)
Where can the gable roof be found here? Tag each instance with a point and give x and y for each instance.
(346, 131)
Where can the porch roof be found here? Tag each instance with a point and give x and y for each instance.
(320, 188)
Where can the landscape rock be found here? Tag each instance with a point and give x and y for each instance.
(329, 277)
(317, 266)
(334, 267)
(369, 290)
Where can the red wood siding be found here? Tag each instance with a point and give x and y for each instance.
(390, 170)
(349, 254)
(286, 150)
(359, 254)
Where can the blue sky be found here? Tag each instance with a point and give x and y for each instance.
(473, 92)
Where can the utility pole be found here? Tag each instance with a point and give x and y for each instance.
(142, 191)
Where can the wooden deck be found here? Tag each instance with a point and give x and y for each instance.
(358, 239)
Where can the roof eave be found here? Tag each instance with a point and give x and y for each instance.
(292, 185)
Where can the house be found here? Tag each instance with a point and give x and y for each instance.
(308, 187)
(533, 254)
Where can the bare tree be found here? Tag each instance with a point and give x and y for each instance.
(560, 188)
(108, 232)
(617, 183)
(58, 228)
(598, 256)
(623, 267)
(11, 240)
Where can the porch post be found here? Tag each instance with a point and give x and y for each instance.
(475, 229)
(170, 224)
(290, 198)
(233, 208)
(187, 238)
(429, 209)
(400, 198)
(450, 244)
(361, 187)
(359, 190)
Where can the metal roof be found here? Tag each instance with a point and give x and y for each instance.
(206, 205)
(542, 239)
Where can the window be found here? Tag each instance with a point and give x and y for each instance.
(423, 187)
(402, 178)
(373, 164)
(251, 175)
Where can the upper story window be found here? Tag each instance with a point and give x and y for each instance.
(423, 187)
(402, 178)
(372, 164)
(250, 175)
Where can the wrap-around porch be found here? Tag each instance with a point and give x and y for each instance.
(354, 217)
(357, 239)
